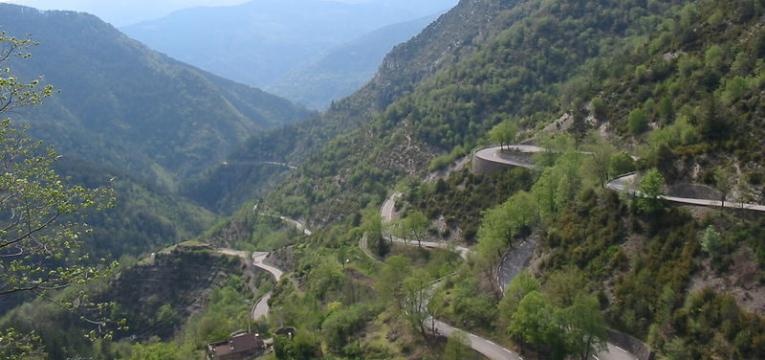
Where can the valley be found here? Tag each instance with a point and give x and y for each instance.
(483, 179)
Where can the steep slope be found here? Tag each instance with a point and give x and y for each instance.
(144, 218)
(122, 104)
(347, 68)
(261, 41)
(453, 36)
(556, 59)
(155, 297)
(679, 83)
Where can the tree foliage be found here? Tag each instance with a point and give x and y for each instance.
(651, 187)
(40, 234)
(504, 133)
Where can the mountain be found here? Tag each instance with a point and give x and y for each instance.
(126, 113)
(450, 38)
(347, 68)
(123, 105)
(155, 296)
(672, 90)
(263, 41)
(677, 84)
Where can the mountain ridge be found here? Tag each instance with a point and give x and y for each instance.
(195, 118)
(260, 42)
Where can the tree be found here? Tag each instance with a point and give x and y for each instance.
(666, 110)
(650, 190)
(599, 108)
(494, 235)
(565, 285)
(637, 122)
(585, 327)
(523, 284)
(342, 325)
(713, 123)
(391, 278)
(545, 192)
(14, 93)
(558, 185)
(40, 231)
(458, 347)
(598, 161)
(416, 226)
(523, 212)
(18, 346)
(40, 214)
(414, 302)
(534, 322)
(725, 183)
(373, 227)
(504, 133)
(711, 242)
(395, 228)
(620, 164)
(303, 346)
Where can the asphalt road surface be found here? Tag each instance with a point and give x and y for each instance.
(261, 309)
(504, 155)
(629, 183)
(486, 347)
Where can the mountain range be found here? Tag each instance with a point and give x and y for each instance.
(283, 46)
(124, 112)
(545, 259)
(122, 104)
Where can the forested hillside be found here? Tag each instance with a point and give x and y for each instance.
(130, 119)
(453, 36)
(676, 84)
(625, 220)
(123, 105)
(592, 78)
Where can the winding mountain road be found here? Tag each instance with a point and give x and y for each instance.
(388, 210)
(504, 155)
(261, 309)
(388, 214)
(508, 270)
(484, 346)
(628, 184)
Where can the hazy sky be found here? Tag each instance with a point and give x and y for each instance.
(123, 12)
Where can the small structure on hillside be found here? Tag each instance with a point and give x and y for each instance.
(242, 346)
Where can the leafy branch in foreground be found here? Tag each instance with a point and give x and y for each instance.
(40, 214)
(14, 92)
(39, 231)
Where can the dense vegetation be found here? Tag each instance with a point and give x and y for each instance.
(121, 105)
(510, 79)
(186, 296)
(679, 279)
(453, 36)
(462, 197)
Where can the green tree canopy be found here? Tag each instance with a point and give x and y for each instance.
(504, 133)
(416, 226)
(650, 188)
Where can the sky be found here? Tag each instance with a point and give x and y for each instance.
(123, 12)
